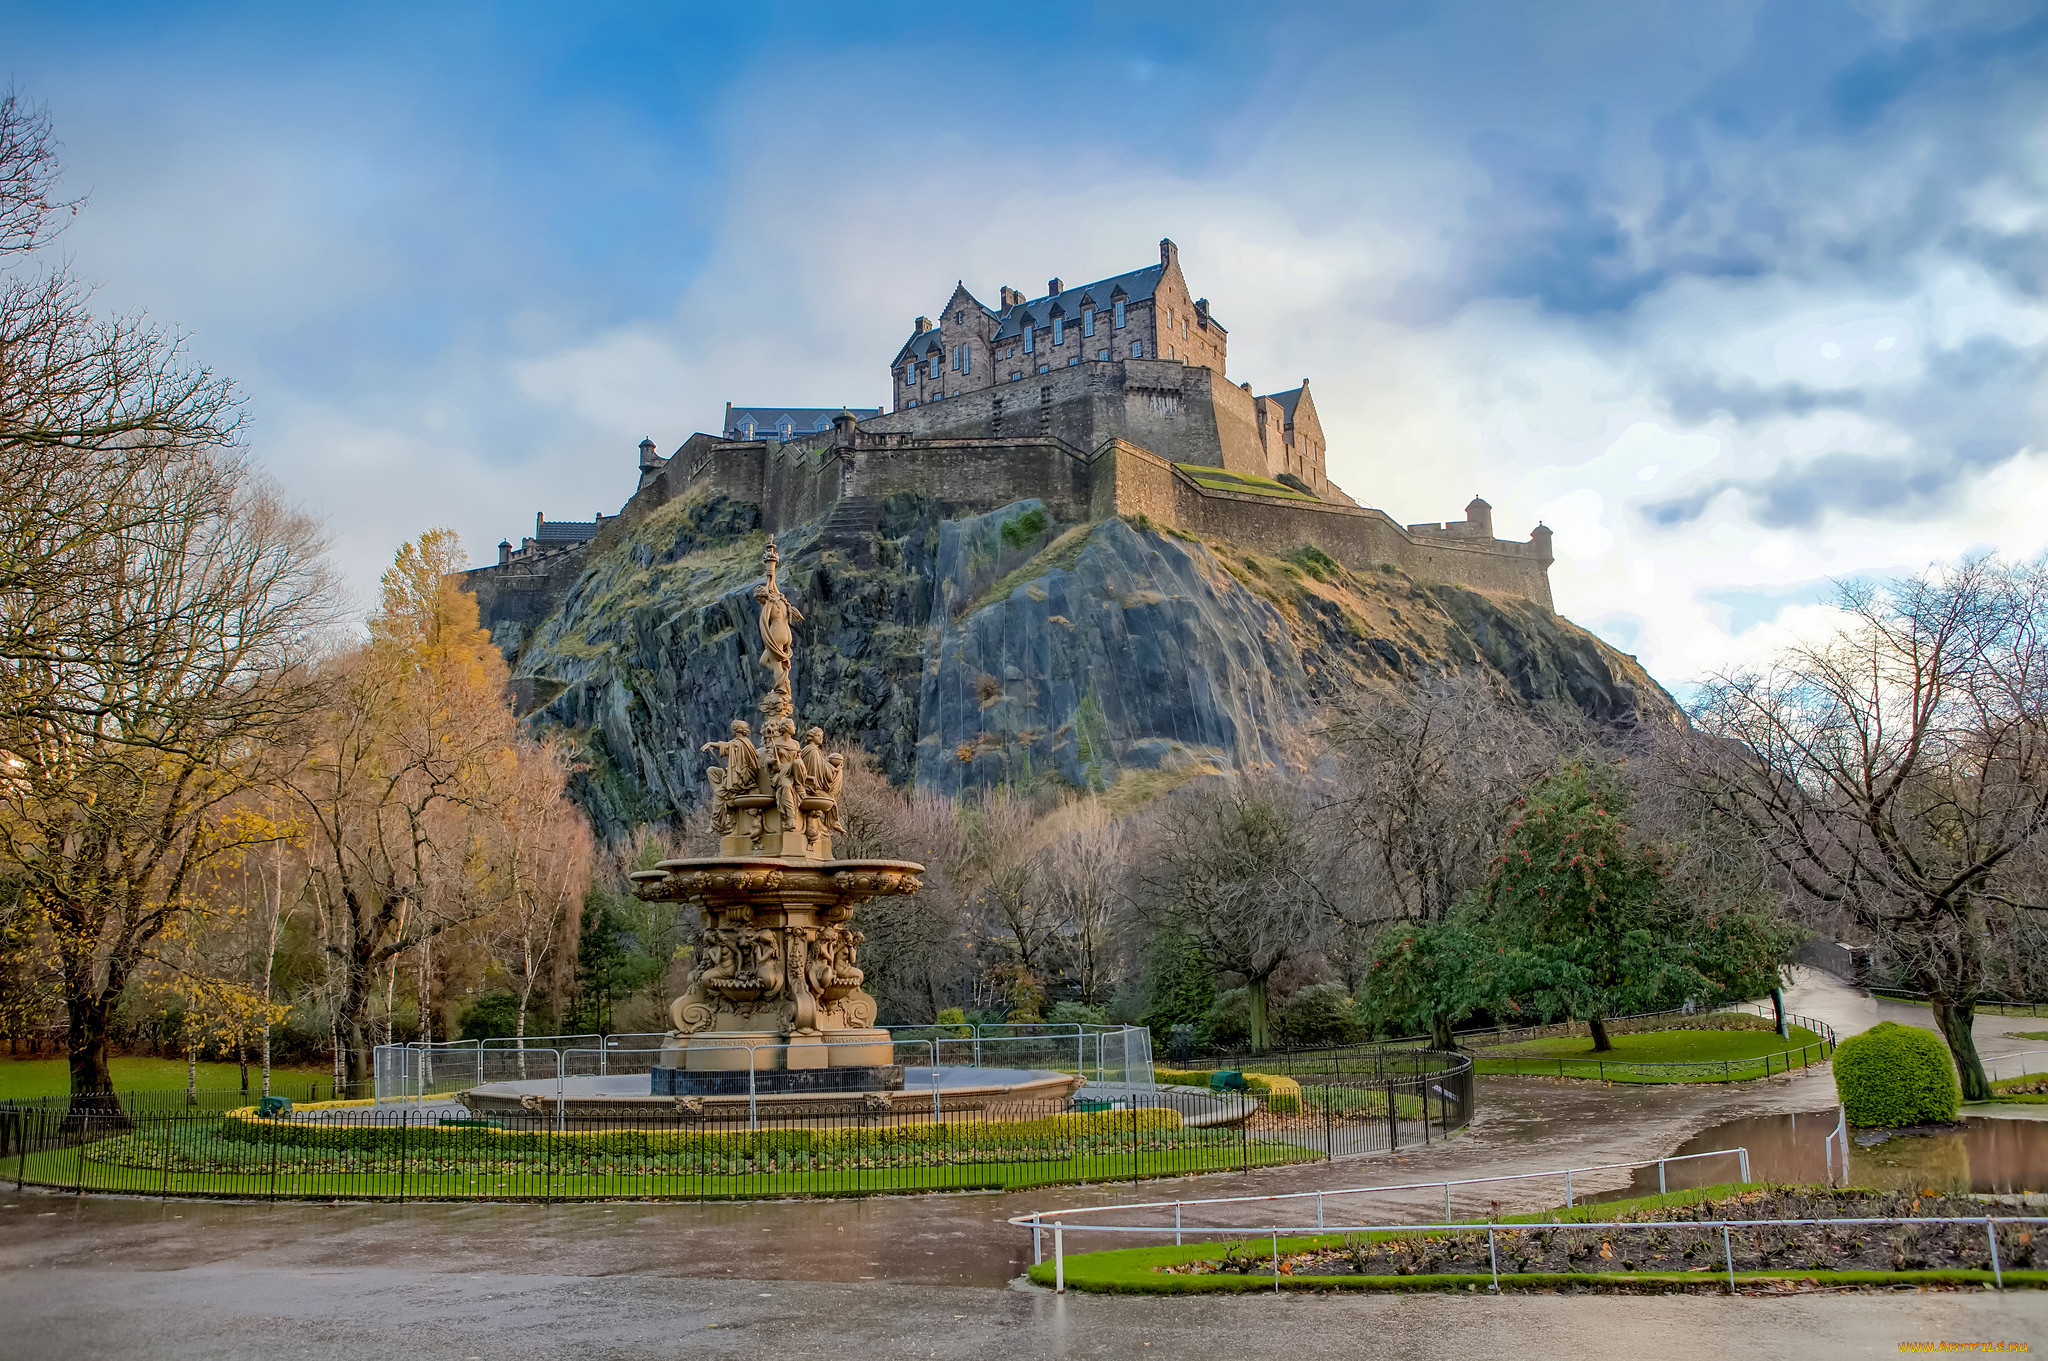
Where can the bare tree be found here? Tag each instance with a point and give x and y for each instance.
(541, 847)
(1015, 917)
(1897, 770)
(1240, 867)
(1084, 873)
(1429, 779)
(915, 953)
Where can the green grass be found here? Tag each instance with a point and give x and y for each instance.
(1132, 1271)
(2030, 1034)
(21, 1079)
(1219, 479)
(1743, 1051)
(533, 1181)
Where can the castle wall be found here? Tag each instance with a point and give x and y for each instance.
(1182, 412)
(972, 476)
(1132, 481)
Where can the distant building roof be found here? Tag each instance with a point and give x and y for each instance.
(750, 422)
(1288, 401)
(564, 531)
(1137, 286)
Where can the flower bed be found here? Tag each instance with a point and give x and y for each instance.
(1562, 1252)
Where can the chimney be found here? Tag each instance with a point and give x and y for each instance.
(649, 459)
(1169, 254)
(1479, 515)
(1011, 297)
(923, 324)
(1052, 288)
(1202, 313)
(539, 518)
(504, 551)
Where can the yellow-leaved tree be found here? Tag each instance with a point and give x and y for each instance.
(422, 792)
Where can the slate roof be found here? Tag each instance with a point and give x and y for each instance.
(1138, 286)
(565, 531)
(1288, 401)
(803, 420)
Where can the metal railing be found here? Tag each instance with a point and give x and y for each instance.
(1037, 1222)
(2023, 1060)
(1117, 1054)
(672, 1151)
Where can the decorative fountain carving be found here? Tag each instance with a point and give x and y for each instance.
(775, 983)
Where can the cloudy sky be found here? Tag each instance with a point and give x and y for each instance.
(1739, 298)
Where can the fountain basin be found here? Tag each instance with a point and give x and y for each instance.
(992, 1093)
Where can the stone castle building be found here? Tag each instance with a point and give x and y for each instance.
(1106, 398)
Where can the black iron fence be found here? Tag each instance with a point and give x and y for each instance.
(415, 1153)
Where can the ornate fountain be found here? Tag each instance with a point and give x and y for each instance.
(775, 987)
(773, 1024)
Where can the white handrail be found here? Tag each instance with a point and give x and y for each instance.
(1037, 1222)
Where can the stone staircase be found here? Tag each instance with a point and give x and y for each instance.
(851, 527)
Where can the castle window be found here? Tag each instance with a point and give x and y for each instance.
(1137, 349)
(1045, 368)
(747, 428)
(967, 359)
(1030, 340)
(1059, 330)
(1102, 354)
(1075, 360)
(1118, 318)
(1017, 377)
(785, 427)
(959, 317)
(910, 376)
(935, 367)
(1087, 321)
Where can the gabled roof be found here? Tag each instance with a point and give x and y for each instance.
(1137, 286)
(565, 531)
(803, 420)
(1288, 400)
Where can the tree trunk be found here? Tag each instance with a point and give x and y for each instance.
(1257, 990)
(266, 1053)
(92, 1075)
(1440, 1036)
(1957, 1020)
(1598, 1025)
(1778, 1005)
(242, 1057)
(191, 1074)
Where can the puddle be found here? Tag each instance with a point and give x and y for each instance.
(1983, 1155)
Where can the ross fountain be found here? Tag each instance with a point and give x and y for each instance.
(773, 1022)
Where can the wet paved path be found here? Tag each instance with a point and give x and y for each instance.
(913, 1276)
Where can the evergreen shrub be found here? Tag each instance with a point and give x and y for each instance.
(1893, 1075)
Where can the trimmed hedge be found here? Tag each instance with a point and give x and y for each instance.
(1893, 1075)
(1283, 1094)
(245, 1126)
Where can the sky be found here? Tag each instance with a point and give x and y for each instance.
(1741, 299)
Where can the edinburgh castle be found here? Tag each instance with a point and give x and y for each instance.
(1100, 399)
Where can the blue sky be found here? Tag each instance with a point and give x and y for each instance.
(1738, 298)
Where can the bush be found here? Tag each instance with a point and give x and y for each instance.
(1322, 1014)
(1894, 1075)
(1228, 1024)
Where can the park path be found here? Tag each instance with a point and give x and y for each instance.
(1523, 1125)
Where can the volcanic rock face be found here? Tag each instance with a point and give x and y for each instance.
(1111, 656)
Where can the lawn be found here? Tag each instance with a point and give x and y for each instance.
(1735, 1054)
(21, 1079)
(181, 1158)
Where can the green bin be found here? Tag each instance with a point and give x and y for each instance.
(273, 1106)
(1227, 1080)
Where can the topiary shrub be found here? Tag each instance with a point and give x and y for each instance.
(1894, 1075)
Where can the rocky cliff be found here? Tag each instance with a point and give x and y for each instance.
(1112, 655)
